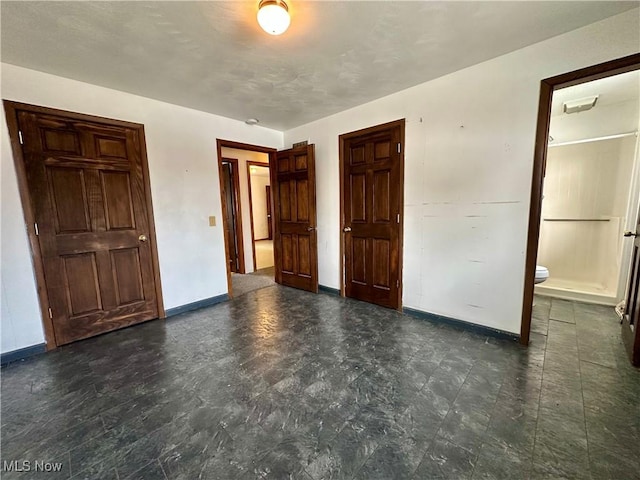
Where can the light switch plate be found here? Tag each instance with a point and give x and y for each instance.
(212, 221)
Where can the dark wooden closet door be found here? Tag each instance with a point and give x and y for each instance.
(372, 193)
(87, 191)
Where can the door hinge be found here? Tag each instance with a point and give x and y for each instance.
(35, 225)
(399, 147)
(20, 137)
(397, 283)
(398, 218)
(50, 313)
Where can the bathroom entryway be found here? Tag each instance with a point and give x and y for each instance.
(586, 192)
(589, 194)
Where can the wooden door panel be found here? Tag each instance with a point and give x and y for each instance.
(57, 140)
(301, 188)
(304, 256)
(358, 257)
(88, 196)
(81, 281)
(293, 201)
(382, 150)
(300, 161)
(288, 254)
(116, 190)
(69, 200)
(283, 164)
(295, 237)
(357, 155)
(358, 194)
(381, 211)
(381, 257)
(372, 170)
(127, 275)
(284, 206)
(110, 147)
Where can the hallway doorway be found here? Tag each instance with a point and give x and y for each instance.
(244, 177)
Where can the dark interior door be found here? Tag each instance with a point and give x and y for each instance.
(372, 195)
(295, 241)
(631, 318)
(269, 224)
(230, 216)
(86, 185)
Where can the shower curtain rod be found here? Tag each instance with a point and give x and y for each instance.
(594, 139)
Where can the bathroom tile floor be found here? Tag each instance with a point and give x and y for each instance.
(281, 383)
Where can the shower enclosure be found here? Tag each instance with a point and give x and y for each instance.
(588, 204)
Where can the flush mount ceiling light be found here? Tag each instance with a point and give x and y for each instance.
(273, 16)
(580, 105)
(252, 121)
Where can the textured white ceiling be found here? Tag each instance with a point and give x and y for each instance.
(212, 56)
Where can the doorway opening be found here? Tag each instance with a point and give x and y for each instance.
(585, 188)
(244, 219)
(259, 187)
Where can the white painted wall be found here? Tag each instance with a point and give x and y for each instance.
(469, 156)
(586, 181)
(181, 145)
(259, 182)
(243, 156)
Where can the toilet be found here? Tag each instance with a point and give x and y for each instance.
(542, 273)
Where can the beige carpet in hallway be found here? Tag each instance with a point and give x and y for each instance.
(242, 284)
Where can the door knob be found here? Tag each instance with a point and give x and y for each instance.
(142, 238)
(630, 234)
(346, 229)
(310, 229)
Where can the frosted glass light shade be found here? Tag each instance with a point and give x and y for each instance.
(273, 16)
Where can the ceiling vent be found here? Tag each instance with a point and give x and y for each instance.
(580, 105)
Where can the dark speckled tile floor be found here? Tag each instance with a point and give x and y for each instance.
(282, 384)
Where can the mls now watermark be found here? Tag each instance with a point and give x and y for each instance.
(29, 466)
